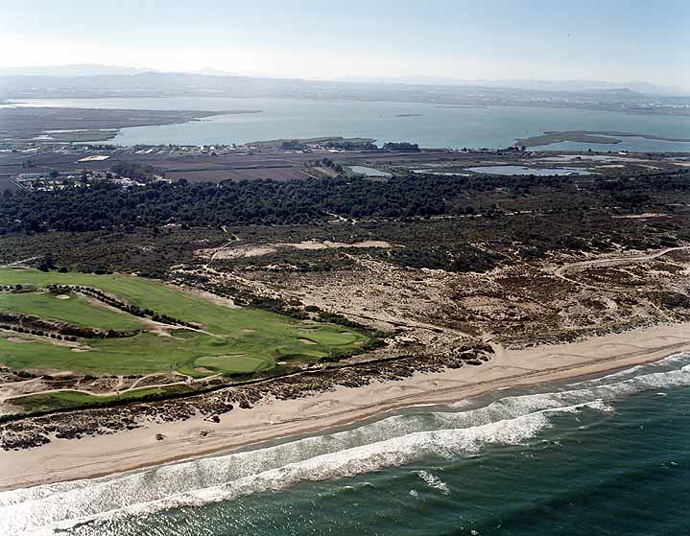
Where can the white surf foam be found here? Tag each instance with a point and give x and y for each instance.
(434, 482)
(393, 441)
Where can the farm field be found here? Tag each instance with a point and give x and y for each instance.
(217, 338)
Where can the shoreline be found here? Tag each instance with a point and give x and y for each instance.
(270, 420)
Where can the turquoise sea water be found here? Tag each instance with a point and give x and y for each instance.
(603, 456)
(430, 125)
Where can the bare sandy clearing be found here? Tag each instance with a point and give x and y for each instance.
(248, 251)
(311, 245)
(236, 253)
(208, 296)
(644, 216)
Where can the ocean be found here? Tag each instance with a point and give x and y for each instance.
(600, 456)
(428, 124)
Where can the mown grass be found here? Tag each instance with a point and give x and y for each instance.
(72, 309)
(237, 364)
(248, 339)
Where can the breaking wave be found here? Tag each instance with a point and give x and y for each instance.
(394, 441)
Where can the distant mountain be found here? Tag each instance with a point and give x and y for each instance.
(84, 69)
(620, 92)
(573, 94)
(632, 89)
(206, 71)
(585, 86)
(580, 86)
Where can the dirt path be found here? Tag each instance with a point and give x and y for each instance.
(608, 262)
(117, 392)
(20, 262)
(134, 385)
(234, 239)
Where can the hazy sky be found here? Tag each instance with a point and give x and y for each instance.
(633, 40)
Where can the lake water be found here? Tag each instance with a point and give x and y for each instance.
(430, 125)
(522, 170)
(369, 171)
(606, 456)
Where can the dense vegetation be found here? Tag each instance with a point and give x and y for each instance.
(138, 172)
(267, 202)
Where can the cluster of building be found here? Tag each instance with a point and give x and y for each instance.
(52, 181)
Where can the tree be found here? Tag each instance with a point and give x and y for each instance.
(47, 264)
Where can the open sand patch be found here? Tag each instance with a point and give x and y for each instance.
(236, 252)
(337, 245)
(17, 339)
(62, 297)
(208, 296)
(239, 252)
(644, 216)
(306, 341)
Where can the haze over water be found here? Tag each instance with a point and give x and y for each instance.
(429, 125)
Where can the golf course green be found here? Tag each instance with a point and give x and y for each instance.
(218, 338)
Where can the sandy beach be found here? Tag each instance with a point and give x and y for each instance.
(90, 457)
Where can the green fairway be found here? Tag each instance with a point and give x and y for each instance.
(235, 363)
(229, 340)
(72, 309)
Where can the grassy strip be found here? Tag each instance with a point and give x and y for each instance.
(63, 400)
(72, 309)
(48, 404)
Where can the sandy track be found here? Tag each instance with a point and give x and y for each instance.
(21, 262)
(609, 262)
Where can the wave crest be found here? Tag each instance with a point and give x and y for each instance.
(394, 441)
